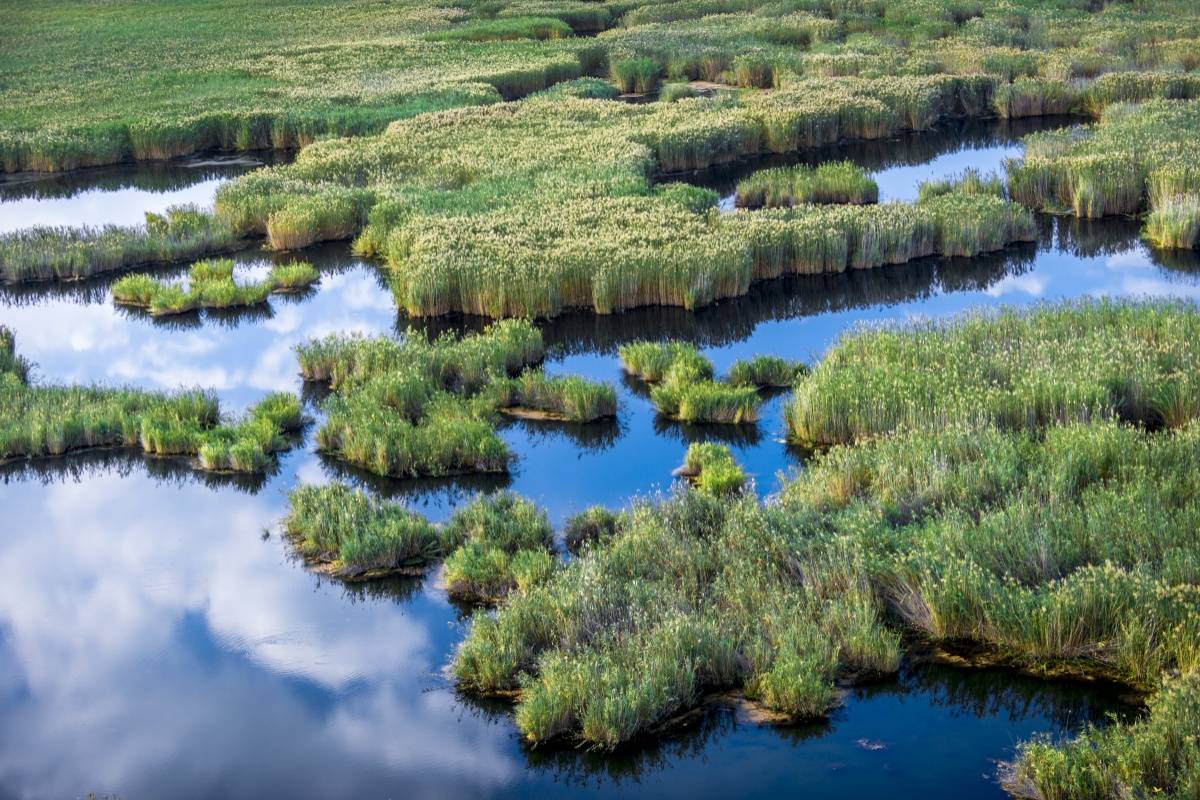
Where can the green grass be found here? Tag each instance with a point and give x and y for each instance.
(1018, 369)
(651, 361)
(835, 182)
(970, 182)
(635, 75)
(589, 527)
(712, 469)
(210, 285)
(503, 29)
(1137, 158)
(565, 397)
(47, 254)
(39, 420)
(414, 407)
(684, 388)
(764, 372)
(675, 91)
(506, 544)
(352, 535)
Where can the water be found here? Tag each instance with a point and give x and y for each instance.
(156, 639)
(118, 195)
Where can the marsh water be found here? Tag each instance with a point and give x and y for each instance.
(156, 638)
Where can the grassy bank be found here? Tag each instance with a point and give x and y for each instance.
(210, 285)
(1135, 362)
(45, 254)
(41, 420)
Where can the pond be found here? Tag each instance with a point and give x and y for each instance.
(157, 639)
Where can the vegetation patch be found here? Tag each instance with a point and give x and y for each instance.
(711, 468)
(507, 544)
(589, 527)
(47, 254)
(767, 372)
(1015, 369)
(210, 285)
(47, 420)
(565, 397)
(1136, 158)
(839, 182)
(684, 388)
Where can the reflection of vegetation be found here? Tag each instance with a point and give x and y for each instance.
(443, 492)
(591, 437)
(89, 464)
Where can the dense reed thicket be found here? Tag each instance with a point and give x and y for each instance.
(507, 544)
(1016, 369)
(412, 407)
(1068, 550)
(42, 253)
(210, 285)
(1137, 157)
(841, 182)
(39, 420)
(528, 209)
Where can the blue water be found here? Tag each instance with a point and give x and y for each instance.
(157, 639)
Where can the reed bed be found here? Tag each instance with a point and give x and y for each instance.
(711, 468)
(970, 182)
(565, 397)
(48, 420)
(684, 389)
(413, 407)
(1018, 370)
(767, 372)
(507, 545)
(49, 254)
(589, 527)
(783, 187)
(353, 536)
(210, 285)
(1136, 158)
(1065, 550)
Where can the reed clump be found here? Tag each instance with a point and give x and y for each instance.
(589, 527)
(48, 254)
(767, 372)
(47, 420)
(507, 544)
(711, 468)
(684, 389)
(210, 285)
(970, 182)
(635, 75)
(1017, 369)
(564, 397)
(350, 535)
(782, 187)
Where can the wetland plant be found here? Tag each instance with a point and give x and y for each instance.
(506, 543)
(836, 182)
(210, 285)
(711, 468)
(589, 527)
(766, 372)
(566, 397)
(636, 75)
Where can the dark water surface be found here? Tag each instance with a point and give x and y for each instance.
(156, 640)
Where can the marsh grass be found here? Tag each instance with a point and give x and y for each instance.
(712, 469)
(351, 535)
(1174, 222)
(505, 28)
(766, 372)
(589, 528)
(838, 182)
(636, 75)
(414, 407)
(211, 286)
(684, 389)
(46, 420)
(46, 254)
(970, 182)
(506, 544)
(1018, 369)
(566, 397)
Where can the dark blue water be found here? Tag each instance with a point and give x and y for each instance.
(156, 638)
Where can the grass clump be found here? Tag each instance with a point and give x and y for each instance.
(210, 285)
(837, 182)
(589, 527)
(766, 372)
(46, 420)
(675, 91)
(684, 388)
(970, 182)
(414, 407)
(503, 29)
(47, 254)
(712, 469)
(565, 397)
(635, 75)
(351, 536)
(506, 543)
(1018, 370)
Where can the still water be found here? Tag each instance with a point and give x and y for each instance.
(156, 639)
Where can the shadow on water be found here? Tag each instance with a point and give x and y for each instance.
(123, 462)
(416, 492)
(589, 437)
